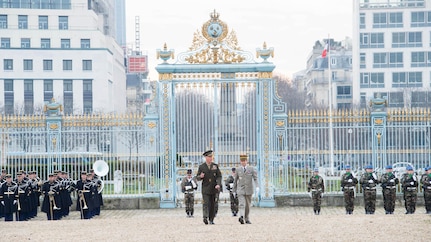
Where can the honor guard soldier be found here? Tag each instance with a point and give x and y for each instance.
(66, 200)
(348, 186)
(50, 190)
(409, 183)
(389, 189)
(2, 180)
(83, 189)
(188, 187)
(35, 186)
(369, 182)
(210, 175)
(316, 188)
(426, 185)
(23, 199)
(233, 197)
(97, 196)
(8, 198)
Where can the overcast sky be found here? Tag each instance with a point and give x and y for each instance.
(291, 27)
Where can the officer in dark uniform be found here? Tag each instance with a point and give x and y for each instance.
(233, 197)
(97, 196)
(23, 200)
(210, 175)
(409, 183)
(8, 198)
(316, 187)
(83, 189)
(426, 185)
(65, 189)
(35, 186)
(188, 187)
(389, 185)
(369, 182)
(348, 186)
(50, 190)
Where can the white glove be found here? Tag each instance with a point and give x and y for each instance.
(412, 183)
(350, 180)
(321, 195)
(234, 194)
(310, 195)
(392, 180)
(370, 181)
(257, 190)
(14, 202)
(2, 202)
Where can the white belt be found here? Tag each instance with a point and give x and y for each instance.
(391, 187)
(316, 190)
(429, 188)
(411, 188)
(370, 188)
(189, 192)
(351, 188)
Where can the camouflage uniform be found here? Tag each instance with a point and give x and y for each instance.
(369, 182)
(317, 187)
(233, 197)
(426, 185)
(389, 185)
(188, 185)
(348, 186)
(410, 189)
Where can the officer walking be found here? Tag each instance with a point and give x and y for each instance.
(188, 187)
(369, 182)
(348, 186)
(389, 184)
(8, 198)
(426, 185)
(410, 184)
(210, 175)
(233, 197)
(316, 186)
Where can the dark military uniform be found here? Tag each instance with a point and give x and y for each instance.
(348, 186)
(389, 189)
(35, 186)
(233, 197)
(23, 201)
(317, 187)
(50, 204)
(369, 182)
(409, 184)
(84, 202)
(188, 187)
(426, 185)
(212, 178)
(8, 196)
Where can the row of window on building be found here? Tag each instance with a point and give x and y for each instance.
(48, 94)
(399, 40)
(23, 22)
(396, 99)
(395, 19)
(45, 43)
(8, 65)
(396, 59)
(399, 79)
(36, 4)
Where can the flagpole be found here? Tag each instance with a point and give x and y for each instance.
(331, 138)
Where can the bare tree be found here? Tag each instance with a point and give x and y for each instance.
(289, 94)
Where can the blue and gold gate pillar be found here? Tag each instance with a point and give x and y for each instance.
(378, 131)
(53, 129)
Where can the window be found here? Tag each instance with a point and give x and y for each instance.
(395, 20)
(65, 43)
(363, 100)
(28, 85)
(7, 64)
(380, 60)
(22, 21)
(3, 21)
(68, 96)
(87, 86)
(364, 80)
(8, 85)
(414, 39)
(43, 22)
(334, 75)
(63, 22)
(364, 40)
(333, 61)
(396, 59)
(377, 40)
(344, 92)
(396, 99)
(67, 86)
(47, 90)
(47, 65)
(377, 80)
(399, 79)
(407, 79)
(87, 96)
(415, 79)
(5, 43)
(67, 65)
(398, 39)
(87, 65)
(379, 20)
(8, 97)
(417, 19)
(362, 60)
(418, 59)
(420, 99)
(25, 43)
(45, 43)
(28, 65)
(362, 20)
(28, 97)
(85, 43)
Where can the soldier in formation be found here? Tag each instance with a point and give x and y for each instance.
(426, 186)
(188, 187)
(233, 197)
(316, 188)
(369, 182)
(389, 183)
(8, 197)
(348, 186)
(409, 183)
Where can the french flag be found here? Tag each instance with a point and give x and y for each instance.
(325, 50)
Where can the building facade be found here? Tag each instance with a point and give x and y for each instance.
(314, 80)
(392, 52)
(63, 49)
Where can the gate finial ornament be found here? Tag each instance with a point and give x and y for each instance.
(264, 53)
(165, 54)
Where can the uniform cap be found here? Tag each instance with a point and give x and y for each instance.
(208, 153)
(8, 176)
(83, 173)
(389, 167)
(19, 173)
(347, 167)
(316, 169)
(368, 167)
(233, 169)
(3, 171)
(426, 168)
(243, 157)
(189, 171)
(51, 175)
(409, 168)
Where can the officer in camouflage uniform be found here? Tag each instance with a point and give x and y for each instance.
(409, 184)
(389, 189)
(233, 197)
(188, 187)
(426, 185)
(316, 186)
(369, 182)
(348, 186)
